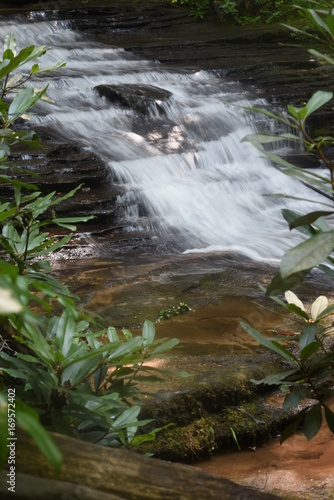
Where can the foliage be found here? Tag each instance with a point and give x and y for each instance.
(68, 374)
(310, 364)
(309, 374)
(244, 11)
(168, 313)
(320, 18)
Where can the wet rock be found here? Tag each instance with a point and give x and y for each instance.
(217, 396)
(140, 98)
(60, 167)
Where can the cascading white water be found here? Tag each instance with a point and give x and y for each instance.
(205, 188)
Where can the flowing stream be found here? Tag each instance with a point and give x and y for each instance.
(189, 180)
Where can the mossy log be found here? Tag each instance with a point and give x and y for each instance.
(94, 472)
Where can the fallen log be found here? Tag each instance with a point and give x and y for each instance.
(93, 472)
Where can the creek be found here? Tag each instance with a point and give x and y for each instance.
(189, 181)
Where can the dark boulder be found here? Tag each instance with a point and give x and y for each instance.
(140, 98)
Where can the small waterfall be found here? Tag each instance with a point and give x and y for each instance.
(189, 179)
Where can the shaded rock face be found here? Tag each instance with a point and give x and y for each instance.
(140, 98)
(60, 167)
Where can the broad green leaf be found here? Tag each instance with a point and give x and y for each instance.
(99, 376)
(10, 44)
(308, 350)
(38, 343)
(299, 113)
(51, 247)
(272, 345)
(279, 286)
(329, 418)
(148, 333)
(65, 333)
(308, 335)
(312, 422)
(309, 218)
(277, 378)
(78, 371)
(28, 420)
(67, 222)
(298, 311)
(24, 100)
(258, 139)
(330, 23)
(308, 254)
(112, 334)
(282, 351)
(3, 429)
(314, 18)
(127, 417)
(318, 100)
(295, 396)
(127, 347)
(269, 114)
(316, 53)
(50, 69)
(166, 346)
(327, 270)
(292, 428)
(34, 69)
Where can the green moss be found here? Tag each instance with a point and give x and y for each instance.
(252, 422)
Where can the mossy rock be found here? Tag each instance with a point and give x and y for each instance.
(205, 407)
(253, 423)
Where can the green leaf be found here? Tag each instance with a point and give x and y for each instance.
(166, 346)
(51, 69)
(272, 345)
(264, 112)
(292, 428)
(299, 113)
(318, 100)
(3, 429)
(34, 69)
(28, 420)
(78, 371)
(67, 222)
(312, 422)
(330, 23)
(127, 417)
(308, 254)
(309, 350)
(308, 335)
(65, 333)
(295, 396)
(309, 218)
(148, 333)
(112, 334)
(275, 378)
(314, 18)
(24, 100)
(329, 418)
(316, 53)
(279, 286)
(297, 310)
(126, 348)
(10, 44)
